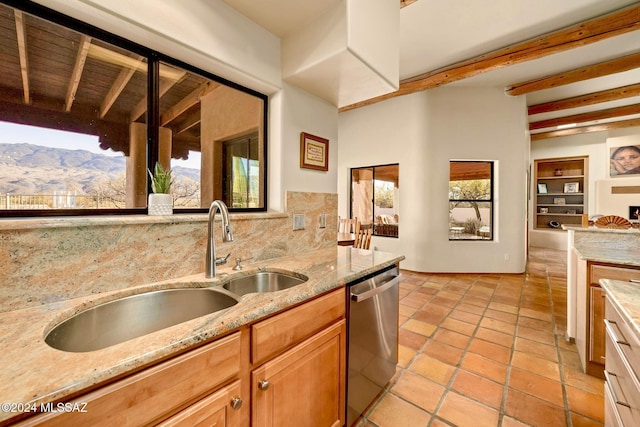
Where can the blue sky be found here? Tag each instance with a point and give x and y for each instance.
(11, 133)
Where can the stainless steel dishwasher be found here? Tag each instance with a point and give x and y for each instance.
(373, 339)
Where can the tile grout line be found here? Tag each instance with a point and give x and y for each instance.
(464, 353)
(565, 395)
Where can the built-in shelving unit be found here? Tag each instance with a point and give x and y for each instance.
(560, 191)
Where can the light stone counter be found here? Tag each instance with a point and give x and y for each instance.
(625, 296)
(609, 255)
(34, 372)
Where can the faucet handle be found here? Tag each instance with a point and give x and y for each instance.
(222, 260)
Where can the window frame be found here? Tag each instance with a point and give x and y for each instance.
(154, 58)
(490, 200)
(373, 198)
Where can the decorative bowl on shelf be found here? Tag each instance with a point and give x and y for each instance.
(554, 224)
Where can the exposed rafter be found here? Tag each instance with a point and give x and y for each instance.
(117, 87)
(601, 69)
(21, 35)
(610, 113)
(587, 32)
(193, 119)
(141, 107)
(81, 58)
(586, 129)
(404, 3)
(187, 102)
(588, 99)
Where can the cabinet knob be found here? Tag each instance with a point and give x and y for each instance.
(263, 385)
(236, 403)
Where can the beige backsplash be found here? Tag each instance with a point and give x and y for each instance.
(47, 260)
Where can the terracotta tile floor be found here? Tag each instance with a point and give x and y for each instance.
(488, 350)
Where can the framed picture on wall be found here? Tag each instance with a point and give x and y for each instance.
(624, 160)
(314, 152)
(634, 213)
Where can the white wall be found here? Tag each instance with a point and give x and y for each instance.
(599, 197)
(303, 112)
(423, 132)
(211, 35)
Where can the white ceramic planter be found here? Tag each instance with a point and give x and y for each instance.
(160, 204)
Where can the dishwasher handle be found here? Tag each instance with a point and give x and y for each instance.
(380, 288)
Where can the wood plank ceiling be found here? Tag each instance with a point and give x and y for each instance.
(597, 29)
(57, 78)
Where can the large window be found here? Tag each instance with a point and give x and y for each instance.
(374, 198)
(84, 113)
(470, 200)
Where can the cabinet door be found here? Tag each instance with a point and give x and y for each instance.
(220, 409)
(303, 386)
(597, 331)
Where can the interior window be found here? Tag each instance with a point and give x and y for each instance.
(78, 128)
(470, 200)
(375, 194)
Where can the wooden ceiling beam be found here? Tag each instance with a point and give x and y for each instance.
(586, 129)
(601, 69)
(588, 99)
(117, 87)
(193, 119)
(21, 35)
(141, 106)
(597, 29)
(81, 58)
(610, 113)
(187, 102)
(405, 3)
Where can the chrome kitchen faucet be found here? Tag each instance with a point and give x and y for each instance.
(211, 261)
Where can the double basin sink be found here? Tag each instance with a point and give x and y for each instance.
(133, 316)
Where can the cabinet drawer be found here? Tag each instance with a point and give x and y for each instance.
(270, 337)
(213, 410)
(598, 271)
(622, 385)
(623, 339)
(154, 393)
(611, 414)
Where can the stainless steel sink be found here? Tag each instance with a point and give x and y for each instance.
(264, 281)
(125, 318)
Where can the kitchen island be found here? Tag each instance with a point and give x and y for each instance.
(37, 374)
(594, 254)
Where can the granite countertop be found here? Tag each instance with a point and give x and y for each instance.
(622, 256)
(625, 296)
(594, 229)
(36, 373)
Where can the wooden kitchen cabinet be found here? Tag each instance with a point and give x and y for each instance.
(597, 347)
(306, 383)
(593, 347)
(299, 359)
(156, 393)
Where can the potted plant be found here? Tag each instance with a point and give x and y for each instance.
(160, 201)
